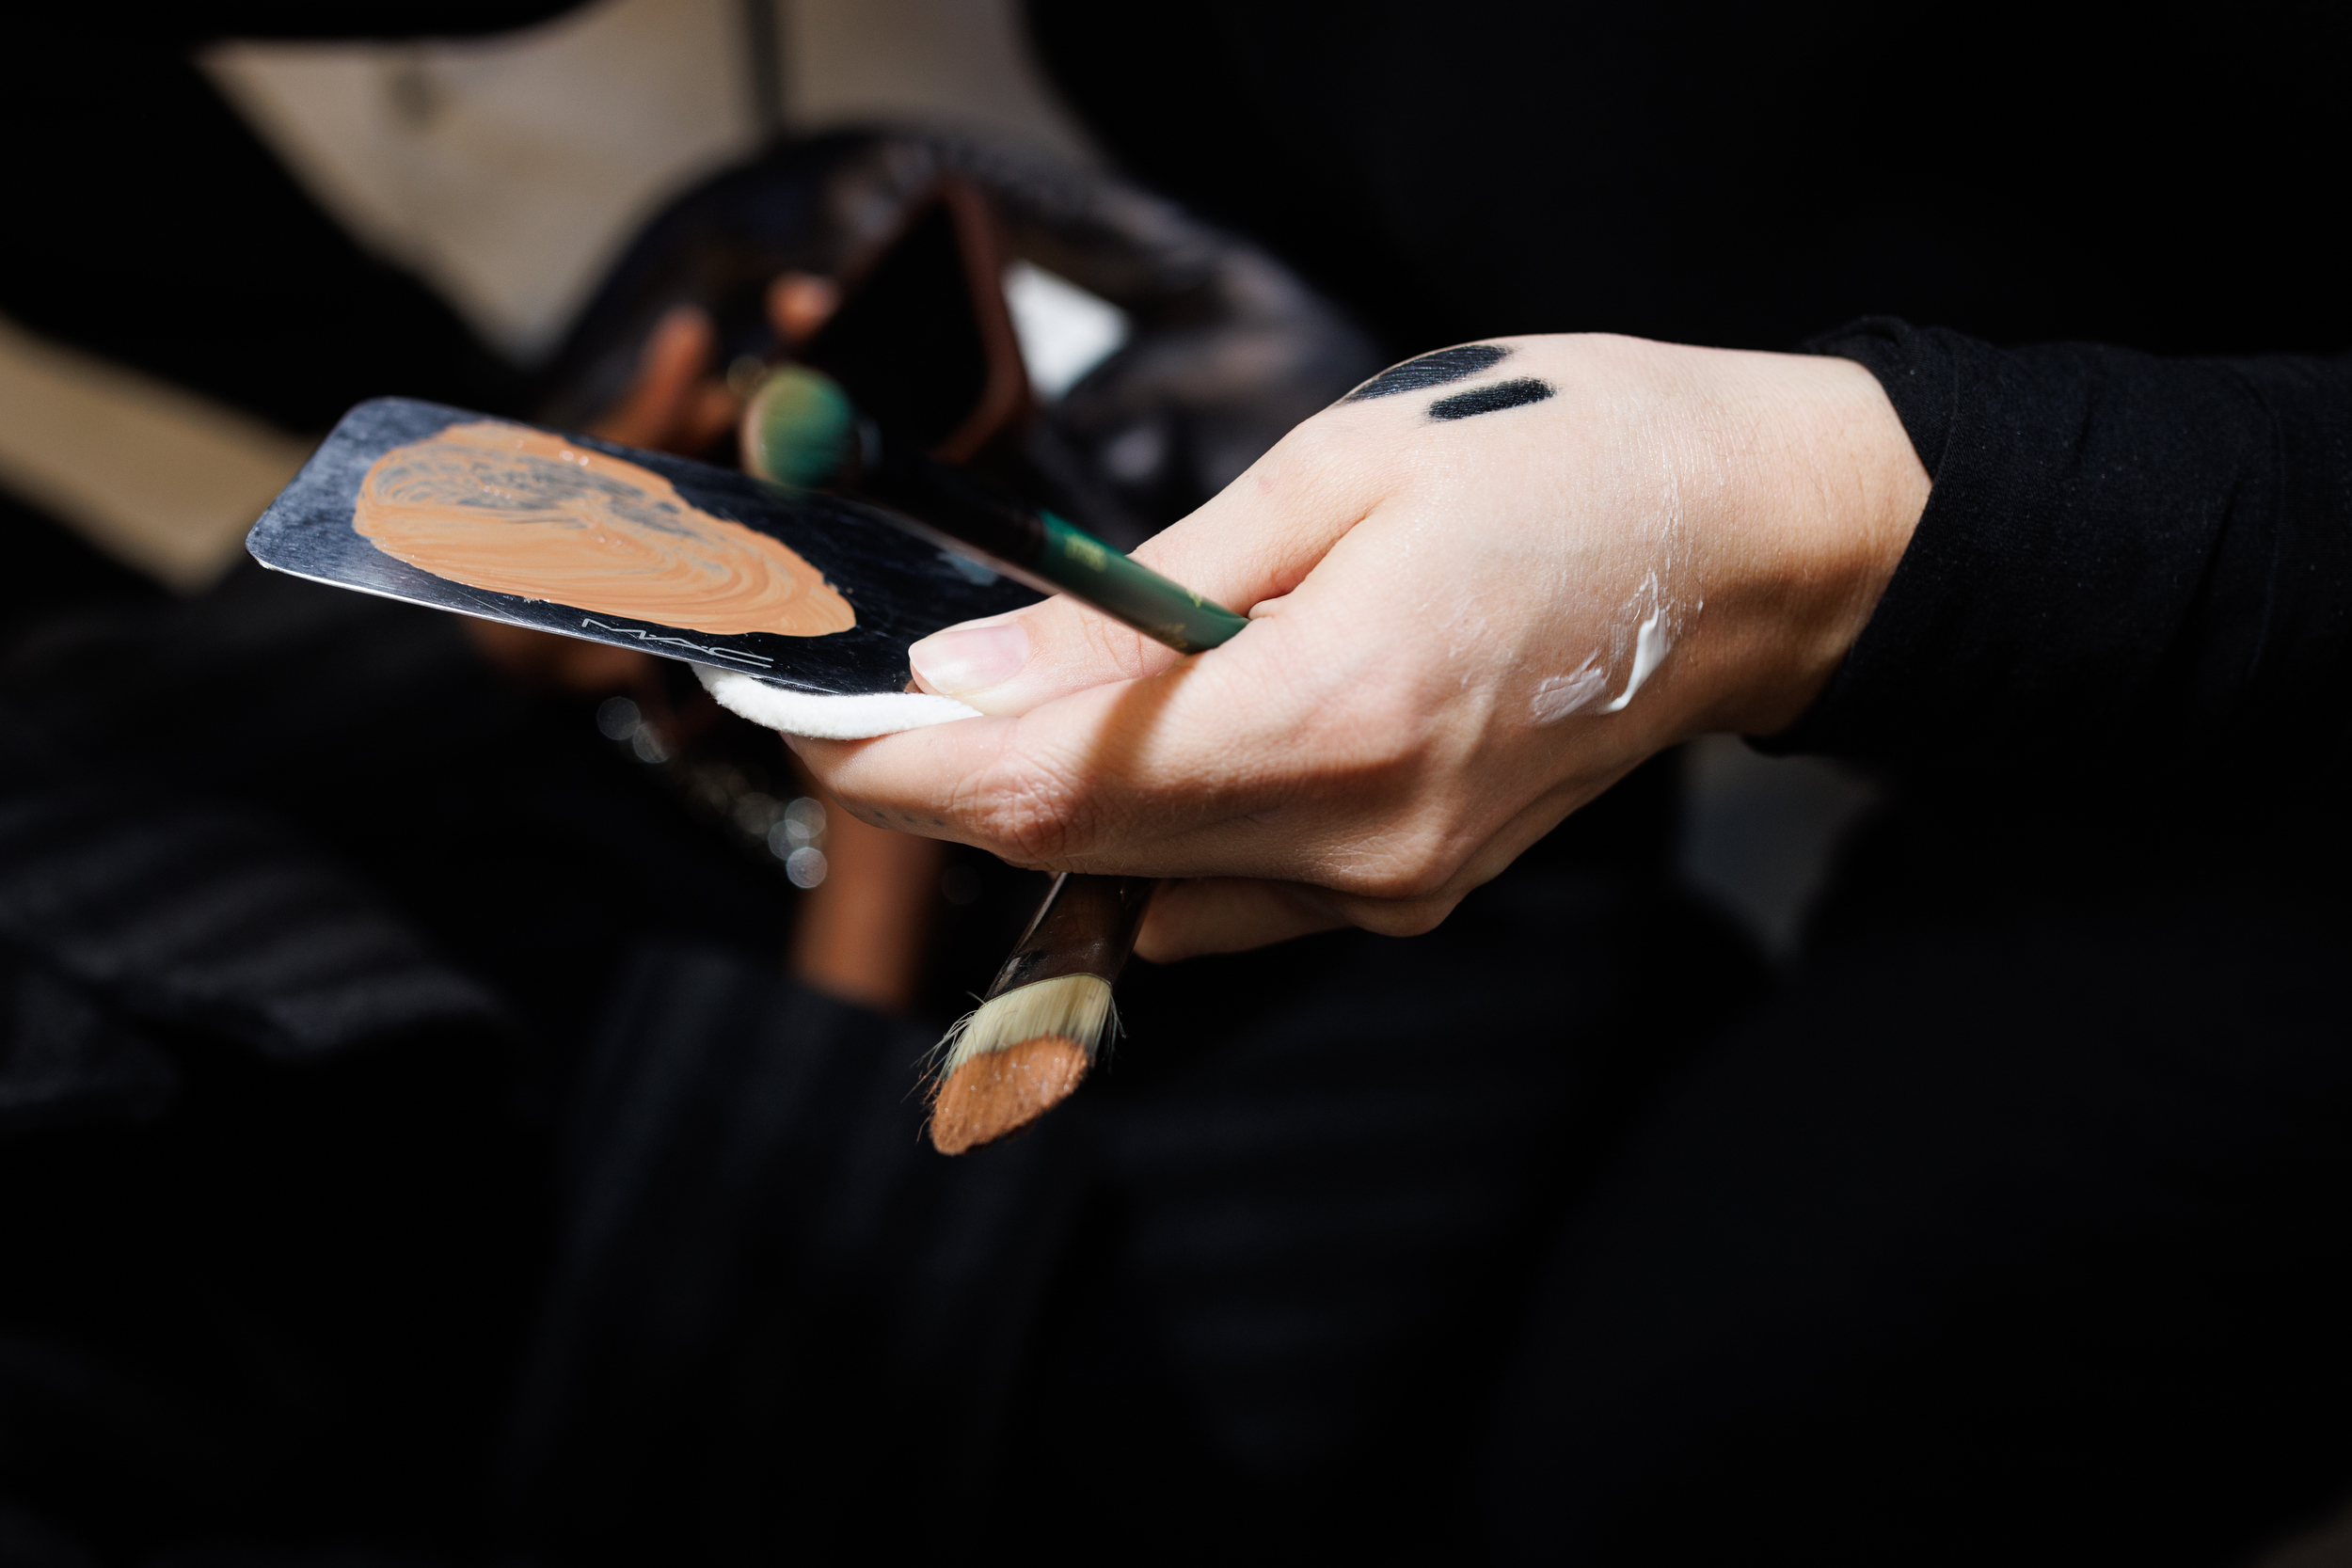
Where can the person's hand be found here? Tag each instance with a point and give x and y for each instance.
(1462, 629)
(682, 400)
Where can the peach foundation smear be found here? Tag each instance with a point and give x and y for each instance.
(518, 511)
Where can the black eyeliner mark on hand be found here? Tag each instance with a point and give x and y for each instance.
(1490, 400)
(1430, 370)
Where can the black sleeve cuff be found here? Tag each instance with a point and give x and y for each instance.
(2116, 548)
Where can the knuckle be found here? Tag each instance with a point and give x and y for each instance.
(1416, 864)
(1315, 444)
(1315, 459)
(1410, 880)
(1026, 809)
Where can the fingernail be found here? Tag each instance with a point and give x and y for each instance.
(971, 659)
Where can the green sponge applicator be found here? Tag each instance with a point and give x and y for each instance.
(799, 429)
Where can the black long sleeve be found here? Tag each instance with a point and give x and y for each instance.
(2120, 553)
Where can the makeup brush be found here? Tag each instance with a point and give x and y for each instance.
(1049, 1012)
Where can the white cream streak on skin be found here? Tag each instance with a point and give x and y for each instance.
(1649, 650)
(1565, 694)
(1656, 622)
(1650, 623)
(1653, 639)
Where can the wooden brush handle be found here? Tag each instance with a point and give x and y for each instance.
(1085, 926)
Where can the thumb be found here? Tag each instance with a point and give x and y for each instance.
(1008, 664)
(1251, 543)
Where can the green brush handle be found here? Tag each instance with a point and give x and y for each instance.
(1125, 588)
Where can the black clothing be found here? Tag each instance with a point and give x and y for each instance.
(2121, 556)
(1238, 1295)
(302, 914)
(2010, 1236)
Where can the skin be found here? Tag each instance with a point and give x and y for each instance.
(1369, 749)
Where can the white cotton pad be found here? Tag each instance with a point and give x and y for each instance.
(823, 718)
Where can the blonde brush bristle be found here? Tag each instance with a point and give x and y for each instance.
(1017, 1057)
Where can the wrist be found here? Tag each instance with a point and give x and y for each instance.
(1833, 491)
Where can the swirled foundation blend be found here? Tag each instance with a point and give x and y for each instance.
(518, 511)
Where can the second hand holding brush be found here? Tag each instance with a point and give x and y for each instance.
(1049, 1012)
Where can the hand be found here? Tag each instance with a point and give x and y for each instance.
(1462, 630)
(678, 402)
